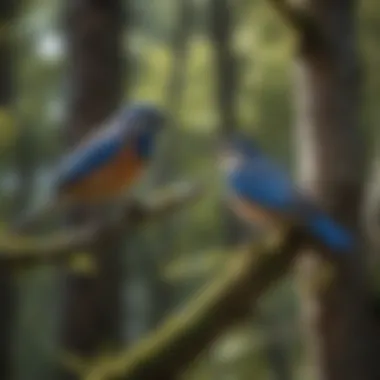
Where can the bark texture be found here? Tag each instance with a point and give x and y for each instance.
(332, 167)
(92, 312)
(7, 288)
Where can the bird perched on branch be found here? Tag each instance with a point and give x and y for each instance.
(108, 161)
(262, 194)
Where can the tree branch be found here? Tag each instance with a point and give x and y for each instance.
(18, 249)
(293, 15)
(302, 22)
(168, 352)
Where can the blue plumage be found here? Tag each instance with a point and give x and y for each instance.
(325, 229)
(144, 144)
(257, 181)
(260, 181)
(82, 162)
(133, 127)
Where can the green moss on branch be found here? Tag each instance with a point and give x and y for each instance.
(167, 352)
(20, 249)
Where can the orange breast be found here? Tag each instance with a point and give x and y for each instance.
(108, 181)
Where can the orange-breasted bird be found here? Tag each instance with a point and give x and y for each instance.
(107, 162)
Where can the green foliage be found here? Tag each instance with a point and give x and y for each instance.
(264, 48)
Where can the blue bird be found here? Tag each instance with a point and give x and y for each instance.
(263, 194)
(112, 158)
(106, 163)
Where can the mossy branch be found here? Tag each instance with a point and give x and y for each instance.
(168, 352)
(19, 249)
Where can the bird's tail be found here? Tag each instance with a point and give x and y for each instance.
(331, 233)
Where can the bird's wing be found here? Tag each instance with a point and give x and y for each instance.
(90, 155)
(263, 183)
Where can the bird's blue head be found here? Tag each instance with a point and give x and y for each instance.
(144, 121)
(236, 149)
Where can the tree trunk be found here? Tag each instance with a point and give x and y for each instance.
(221, 31)
(163, 293)
(7, 288)
(92, 314)
(95, 57)
(180, 49)
(371, 215)
(370, 34)
(222, 24)
(332, 167)
(221, 35)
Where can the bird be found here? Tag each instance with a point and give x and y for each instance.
(263, 194)
(107, 162)
(111, 159)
